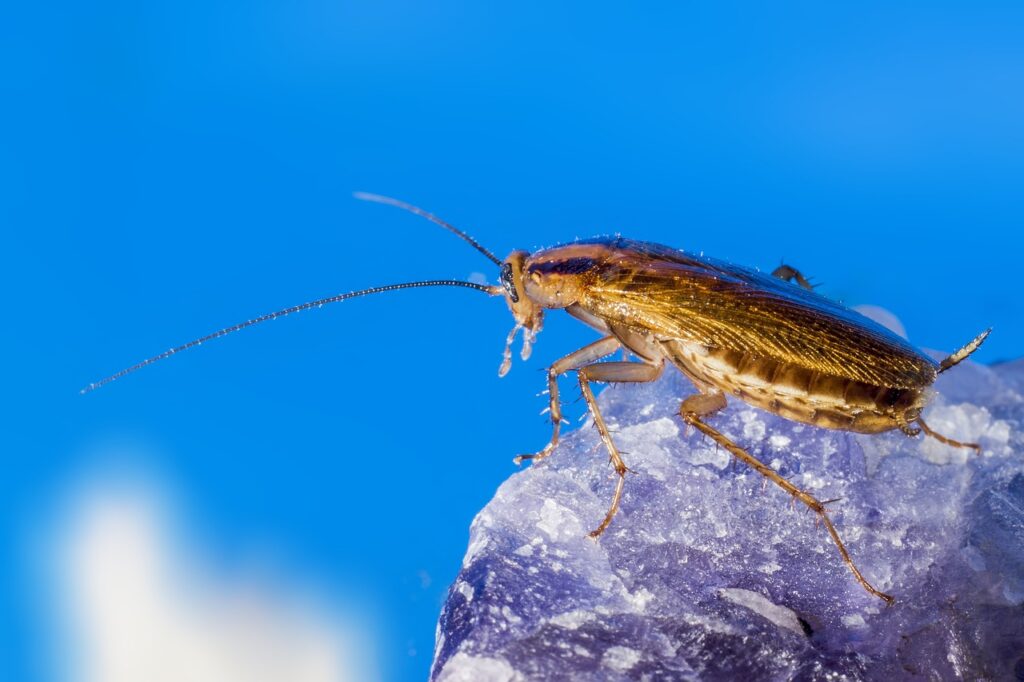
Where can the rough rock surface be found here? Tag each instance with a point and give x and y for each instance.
(708, 574)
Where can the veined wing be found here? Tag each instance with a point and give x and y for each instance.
(674, 294)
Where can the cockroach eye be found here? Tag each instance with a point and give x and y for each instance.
(508, 282)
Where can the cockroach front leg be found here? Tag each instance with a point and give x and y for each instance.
(696, 407)
(790, 273)
(625, 372)
(584, 356)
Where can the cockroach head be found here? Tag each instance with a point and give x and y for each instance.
(528, 315)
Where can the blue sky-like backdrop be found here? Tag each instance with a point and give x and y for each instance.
(172, 168)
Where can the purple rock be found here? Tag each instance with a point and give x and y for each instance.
(706, 573)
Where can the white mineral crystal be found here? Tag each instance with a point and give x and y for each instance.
(706, 573)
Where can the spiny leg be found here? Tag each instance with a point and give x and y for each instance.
(697, 406)
(945, 439)
(587, 354)
(626, 372)
(790, 273)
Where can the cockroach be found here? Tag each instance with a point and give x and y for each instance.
(769, 340)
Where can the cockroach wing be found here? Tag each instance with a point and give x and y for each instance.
(671, 294)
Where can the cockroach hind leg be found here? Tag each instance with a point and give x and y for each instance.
(692, 417)
(945, 439)
(911, 431)
(701, 405)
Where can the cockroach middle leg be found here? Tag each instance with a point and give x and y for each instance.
(625, 372)
(945, 439)
(586, 355)
(790, 273)
(694, 408)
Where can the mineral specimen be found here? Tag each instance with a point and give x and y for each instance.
(706, 573)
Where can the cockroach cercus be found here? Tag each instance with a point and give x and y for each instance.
(764, 339)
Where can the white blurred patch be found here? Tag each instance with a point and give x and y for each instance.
(465, 668)
(882, 317)
(138, 604)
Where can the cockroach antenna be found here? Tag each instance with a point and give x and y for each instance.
(380, 199)
(491, 290)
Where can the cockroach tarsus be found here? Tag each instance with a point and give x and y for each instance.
(768, 340)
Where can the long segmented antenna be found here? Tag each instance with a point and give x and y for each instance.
(288, 311)
(380, 199)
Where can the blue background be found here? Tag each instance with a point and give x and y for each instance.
(171, 168)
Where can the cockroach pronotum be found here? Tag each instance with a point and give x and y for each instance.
(765, 339)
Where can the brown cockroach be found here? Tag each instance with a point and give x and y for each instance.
(731, 330)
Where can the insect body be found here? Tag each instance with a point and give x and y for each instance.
(732, 331)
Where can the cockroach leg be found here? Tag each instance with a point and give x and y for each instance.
(909, 430)
(697, 406)
(702, 405)
(789, 273)
(606, 372)
(588, 354)
(945, 439)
